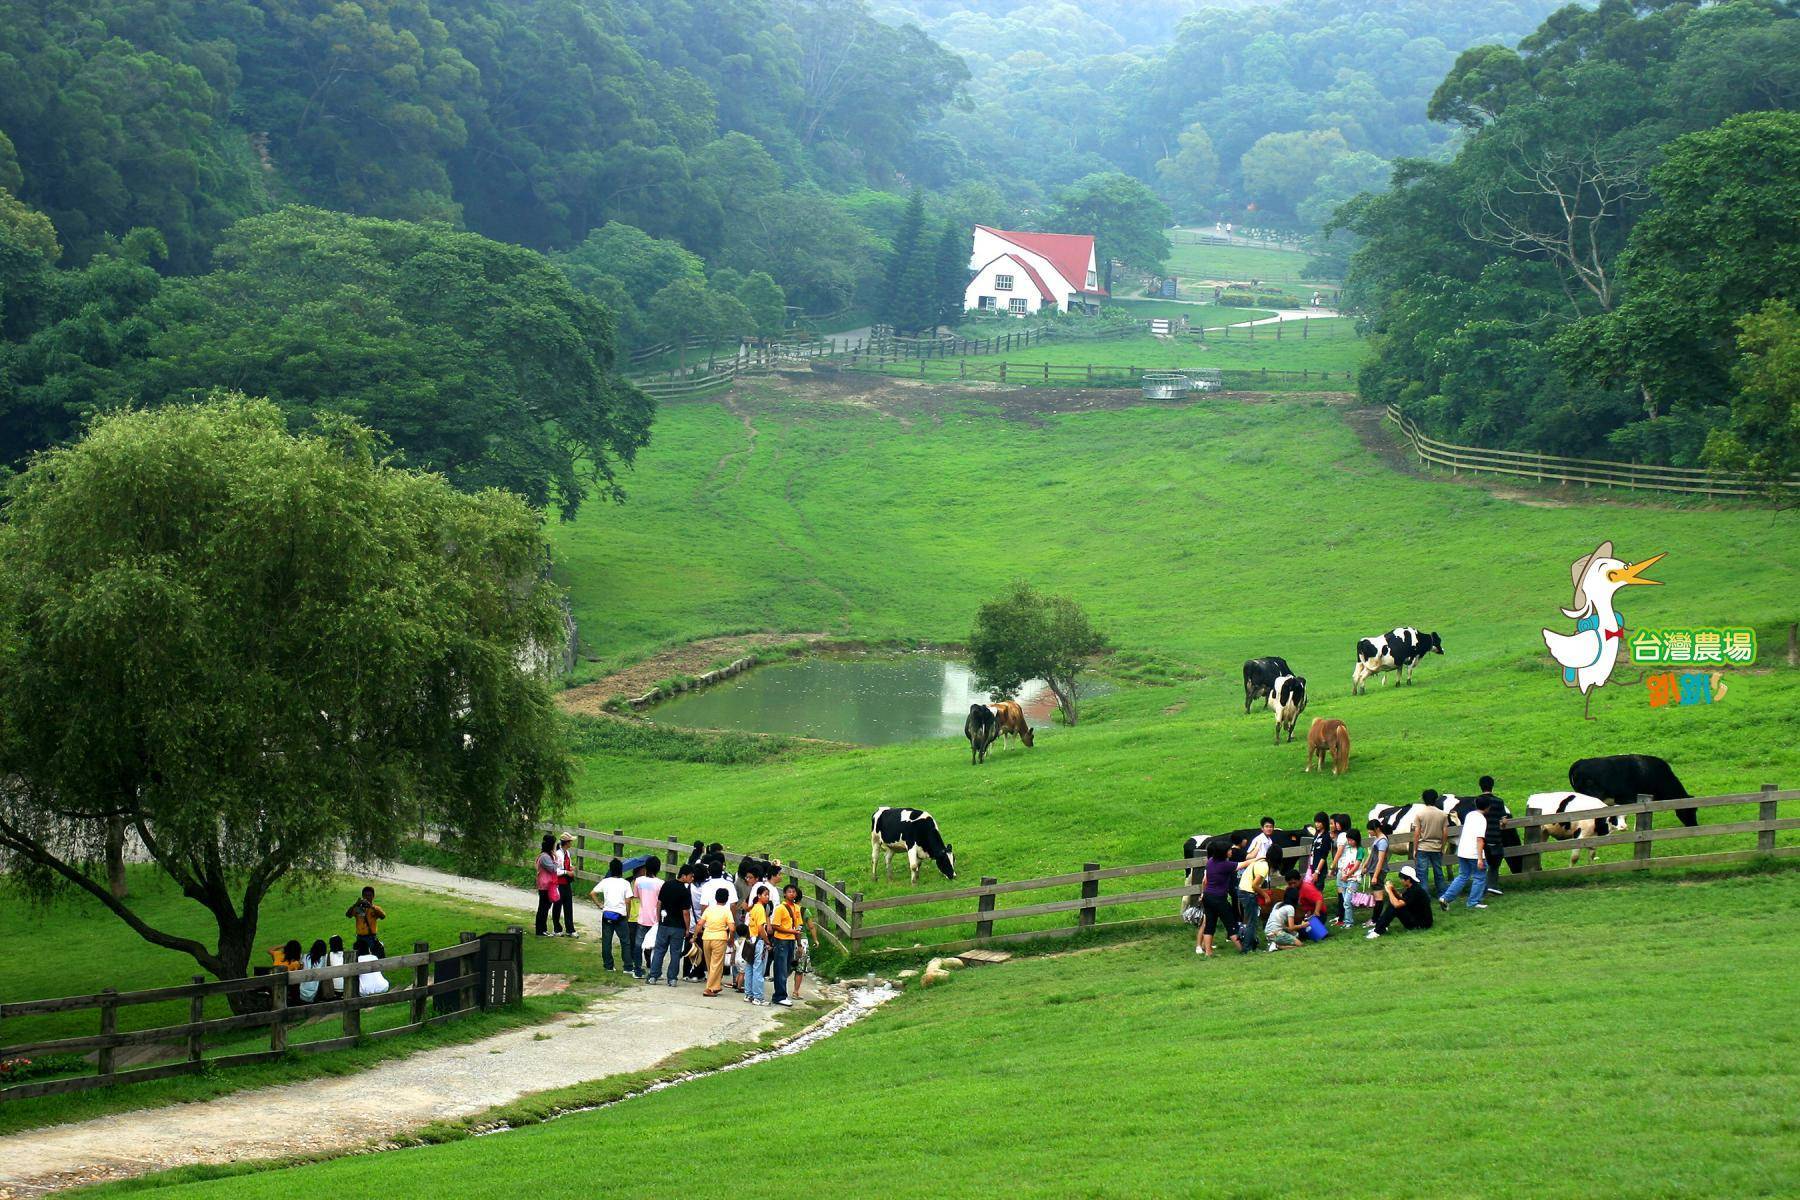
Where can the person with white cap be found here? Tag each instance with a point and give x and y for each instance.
(1412, 904)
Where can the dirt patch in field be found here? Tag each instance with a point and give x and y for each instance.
(695, 658)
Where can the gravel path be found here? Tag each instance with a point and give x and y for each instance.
(627, 1031)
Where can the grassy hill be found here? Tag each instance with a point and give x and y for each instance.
(1524, 1052)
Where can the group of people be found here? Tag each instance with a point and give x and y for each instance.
(704, 923)
(365, 916)
(1243, 894)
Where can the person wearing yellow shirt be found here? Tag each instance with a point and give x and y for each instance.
(786, 924)
(716, 930)
(756, 949)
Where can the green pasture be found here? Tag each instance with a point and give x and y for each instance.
(73, 946)
(1197, 314)
(1239, 264)
(1464, 1060)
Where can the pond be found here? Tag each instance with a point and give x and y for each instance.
(867, 699)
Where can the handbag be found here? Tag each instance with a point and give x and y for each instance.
(1316, 930)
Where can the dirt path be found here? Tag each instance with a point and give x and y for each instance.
(694, 658)
(630, 1030)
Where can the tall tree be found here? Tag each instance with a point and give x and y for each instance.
(898, 307)
(379, 685)
(1123, 214)
(951, 273)
(1026, 635)
(1763, 436)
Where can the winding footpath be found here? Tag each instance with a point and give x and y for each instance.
(629, 1030)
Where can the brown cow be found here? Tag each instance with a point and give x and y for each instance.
(1012, 721)
(1328, 735)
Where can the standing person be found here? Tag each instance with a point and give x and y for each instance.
(1219, 881)
(750, 871)
(1471, 859)
(648, 889)
(1496, 845)
(1318, 858)
(1263, 842)
(1430, 823)
(565, 879)
(1376, 874)
(756, 947)
(613, 895)
(1411, 903)
(786, 924)
(675, 909)
(1250, 883)
(1349, 871)
(368, 916)
(546, 888)
(717, 927)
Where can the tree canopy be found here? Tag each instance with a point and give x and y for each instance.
(380, 683)
(1024, 635)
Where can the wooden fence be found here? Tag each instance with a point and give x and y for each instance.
(455, 966)
(1551, 468)
(848, 914)
(1097, 375)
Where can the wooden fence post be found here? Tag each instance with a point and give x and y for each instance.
(673, 864)
(1641, 850)
(196, 1041)
(1046, 372)
(618, 846)
(1765, 812)
(1090, 889)
(984, 903)
(581, 851)
(109, 1025)
(466, 971)
(278, 989)
(421, 981)
(1003, 370)
(1534, 835)
(352, 1014)
(839, 904)
(856, 921)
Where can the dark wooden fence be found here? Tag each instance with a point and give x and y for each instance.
(457, 978)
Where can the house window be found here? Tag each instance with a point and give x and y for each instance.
(1016, 304)
(987, 302)
(1092, 282)
(1003, 283)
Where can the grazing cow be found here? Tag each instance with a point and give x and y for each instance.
(1287, 700)
(1622, 778)
(1328, 736)
(1397, 650)
(1012, 721)
(1260, 675)
(892, 830)
(1545, 803)
(981, 727)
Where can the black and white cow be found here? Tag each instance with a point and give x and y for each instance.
(1396, 819)
(896, 830)
(1573, 804)
(1622, 778)
(1260, 675)
(982, 728)
(1287, 700)
(1396, 650)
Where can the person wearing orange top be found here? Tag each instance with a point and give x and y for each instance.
(716, 929)
(786, 924)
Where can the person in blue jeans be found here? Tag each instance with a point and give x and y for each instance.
(676, 904)
(1471, 858)
(1430, 824)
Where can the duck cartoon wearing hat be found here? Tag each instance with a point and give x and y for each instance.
(1587, 655)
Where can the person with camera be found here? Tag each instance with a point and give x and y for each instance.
(368, 916)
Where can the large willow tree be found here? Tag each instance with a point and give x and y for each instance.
(248, 648)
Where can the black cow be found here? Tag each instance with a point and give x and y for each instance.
(1622, 778)
(912, 831)
(1396, 650)
(1288, 847)
(1287, 700)
(1260, 675)
(981, 727)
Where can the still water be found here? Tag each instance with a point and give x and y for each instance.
(868, 700)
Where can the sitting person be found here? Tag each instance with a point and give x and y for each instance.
(334, 957)
(317, 957)
(287, 957)
(1284, 927)
(372, 983)
(1412, 904)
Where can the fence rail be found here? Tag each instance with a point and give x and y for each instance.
(846, 912)
(1553, 468)
(455, 966)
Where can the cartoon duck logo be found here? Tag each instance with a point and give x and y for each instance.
(1587, 655)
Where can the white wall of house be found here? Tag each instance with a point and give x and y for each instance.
(1005, 286)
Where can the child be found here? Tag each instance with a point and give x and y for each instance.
(1283, 929)
(1349, 871)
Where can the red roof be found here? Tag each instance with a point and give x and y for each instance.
(1031, 271)
(1069, 253)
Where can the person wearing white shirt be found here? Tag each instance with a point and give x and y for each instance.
(315, 958)
(372, 983)
(1471, 858)
(1263, 842)
(613, 895)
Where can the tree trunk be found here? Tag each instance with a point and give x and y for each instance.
(1065, 698)
(115, 857)
(236, 945)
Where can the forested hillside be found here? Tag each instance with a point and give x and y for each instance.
(1608, 264)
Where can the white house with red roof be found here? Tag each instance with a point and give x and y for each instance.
(1025, 272)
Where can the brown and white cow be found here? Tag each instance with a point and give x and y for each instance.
(1012, 721)
(1572, 803)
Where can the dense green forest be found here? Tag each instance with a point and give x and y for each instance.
(1608, 264)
